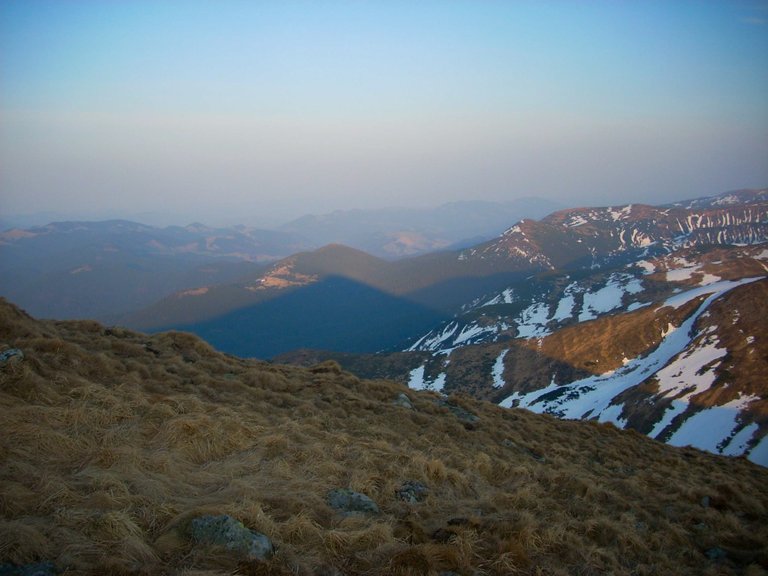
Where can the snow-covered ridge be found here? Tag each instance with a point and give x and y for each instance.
(577, 303)
(610, 232)
(533, 309)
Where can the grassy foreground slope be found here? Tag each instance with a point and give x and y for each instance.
(112, 442)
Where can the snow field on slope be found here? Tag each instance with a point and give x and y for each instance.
(711, 428)
(609, 297)
(532, 322)
(416, 380)
(436, 341)
(567, 302)
(592, 397)
(692, 371)
(498, 370)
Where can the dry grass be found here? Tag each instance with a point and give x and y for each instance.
(113, 441)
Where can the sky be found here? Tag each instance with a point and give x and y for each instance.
(258, 112)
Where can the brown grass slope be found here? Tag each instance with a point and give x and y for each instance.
(113, 441)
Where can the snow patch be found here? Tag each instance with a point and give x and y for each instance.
(682, 298)
(567, 302)
(533, 320)
(498, 370)
(647, 267)
(694, 369)
(506, 297)
(609, 297)
(417, 381)
(707, 429)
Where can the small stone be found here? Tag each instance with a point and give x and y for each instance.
(7, 355)
(705, 502)
(469, 420)
(536, 456)
(403, 400)
(412, 491)
(715, 553)
(701, 527)
(351, 502)
(225, 531)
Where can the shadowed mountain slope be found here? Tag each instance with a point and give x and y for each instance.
(115, 443)
(335, 312)
(570, 241)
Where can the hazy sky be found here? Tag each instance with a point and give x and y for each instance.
(248, 111)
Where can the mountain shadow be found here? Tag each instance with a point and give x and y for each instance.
(336, 313)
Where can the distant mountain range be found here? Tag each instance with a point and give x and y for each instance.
(399, 232)
(107, 270)
(103, 270)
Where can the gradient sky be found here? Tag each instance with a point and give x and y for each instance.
(256, 112)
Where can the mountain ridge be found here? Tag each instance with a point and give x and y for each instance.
(394, 233)
(565, 240)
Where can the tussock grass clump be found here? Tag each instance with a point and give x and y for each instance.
(113, 442)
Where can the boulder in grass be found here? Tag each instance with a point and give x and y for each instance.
(412, 491)
(403, 400)
(351, 502)
(224, 530)
(11, 354)
(469, 421)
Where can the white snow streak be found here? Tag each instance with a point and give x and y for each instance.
(708, 428)
(609, 297)
(416, 380)
(498, 370)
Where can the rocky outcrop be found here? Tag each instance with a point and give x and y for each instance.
(350, 502)
(226, 531)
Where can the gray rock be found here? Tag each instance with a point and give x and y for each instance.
(412, 491)
(350, 502)
(225, 531)
(36, 569)
(716, 553)
(7, 355)
(403, 400)
(469, 420)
